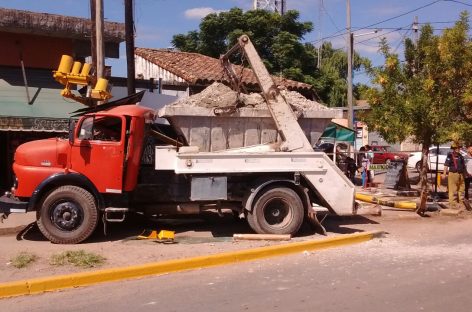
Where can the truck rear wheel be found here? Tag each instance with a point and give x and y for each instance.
(68, 215)
(278, 210)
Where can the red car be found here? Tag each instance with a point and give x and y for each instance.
(384, 155)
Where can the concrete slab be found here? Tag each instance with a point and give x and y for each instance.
(451, 212)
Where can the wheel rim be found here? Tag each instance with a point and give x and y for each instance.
(418, 167)
(66, 215)
(277, 212)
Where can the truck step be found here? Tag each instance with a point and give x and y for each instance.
(113, 214)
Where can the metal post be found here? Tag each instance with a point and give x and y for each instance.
(100, 47)
(93, 34)
(350, 110)
(436, 177)
(129, 34)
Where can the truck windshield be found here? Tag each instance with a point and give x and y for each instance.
(103, 128)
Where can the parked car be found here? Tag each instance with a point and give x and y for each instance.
(414, 161)
(383, 154)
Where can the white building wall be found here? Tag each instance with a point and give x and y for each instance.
(150, 70)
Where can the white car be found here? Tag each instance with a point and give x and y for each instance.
(414, 160)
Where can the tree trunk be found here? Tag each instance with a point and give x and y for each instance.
(423, 180)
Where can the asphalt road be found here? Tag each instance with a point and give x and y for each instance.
(431, 271)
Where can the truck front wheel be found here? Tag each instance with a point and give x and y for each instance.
(278, 210)
(68, 215)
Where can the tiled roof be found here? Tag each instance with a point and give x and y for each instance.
(201, 69)
(54, 25)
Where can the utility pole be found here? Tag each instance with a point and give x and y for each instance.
(93, 35)
(129, 35)
(415, 30)
(320, 41)
(100, 48)
(350, 109)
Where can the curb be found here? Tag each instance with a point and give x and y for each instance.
(389, 203)
(40, 285)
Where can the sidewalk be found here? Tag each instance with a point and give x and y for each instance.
(16, 222)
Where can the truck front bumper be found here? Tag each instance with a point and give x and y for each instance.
(9, 205)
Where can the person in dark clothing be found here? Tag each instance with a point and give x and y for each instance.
(455, 166)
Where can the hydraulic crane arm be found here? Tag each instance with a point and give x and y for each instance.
(294, 139)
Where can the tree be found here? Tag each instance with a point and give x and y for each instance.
(427, 97)
(278, 40)
(330, 79)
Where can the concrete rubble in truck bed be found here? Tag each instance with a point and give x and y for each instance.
(250, 124)
(220, 95)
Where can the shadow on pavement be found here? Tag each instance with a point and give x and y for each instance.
(206, 227)
(346, 224)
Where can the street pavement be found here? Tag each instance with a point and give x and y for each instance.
(421, 265)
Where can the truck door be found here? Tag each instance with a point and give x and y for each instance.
(98, 151)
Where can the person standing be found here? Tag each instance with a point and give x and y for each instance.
(370, 157)
(455, 167)
(362, 165)
(468, 173)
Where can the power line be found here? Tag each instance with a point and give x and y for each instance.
(460, 2)
(406, 13)
(382, 35)
(330, 18)
(401, 40)
(336, 34)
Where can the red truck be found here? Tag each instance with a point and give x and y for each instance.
(116, 161)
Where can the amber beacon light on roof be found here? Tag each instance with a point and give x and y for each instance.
(72, 73)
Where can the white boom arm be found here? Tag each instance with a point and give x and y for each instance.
(294, 139)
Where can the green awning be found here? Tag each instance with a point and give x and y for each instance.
(337, 132)
(47, 110)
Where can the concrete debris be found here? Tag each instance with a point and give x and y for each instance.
(220, 95)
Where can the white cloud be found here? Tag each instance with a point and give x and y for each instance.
(199, 13)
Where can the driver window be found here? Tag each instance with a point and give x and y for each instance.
(106, 128)
(85, 132)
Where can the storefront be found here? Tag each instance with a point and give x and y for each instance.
(45, 115)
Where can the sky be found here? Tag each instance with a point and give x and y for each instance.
(156, 21)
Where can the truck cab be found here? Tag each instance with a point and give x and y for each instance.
(100, 160)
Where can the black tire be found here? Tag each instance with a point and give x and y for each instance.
(277, 210)
(68, 215)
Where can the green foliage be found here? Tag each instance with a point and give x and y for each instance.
(23, 259)
(278, 41)
(428, 96)
(79, 258)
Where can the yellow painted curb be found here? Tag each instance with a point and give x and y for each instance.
(390, 203)
(39, 285)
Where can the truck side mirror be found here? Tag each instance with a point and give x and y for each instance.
(71, 131)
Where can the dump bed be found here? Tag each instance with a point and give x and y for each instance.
(245, 127)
